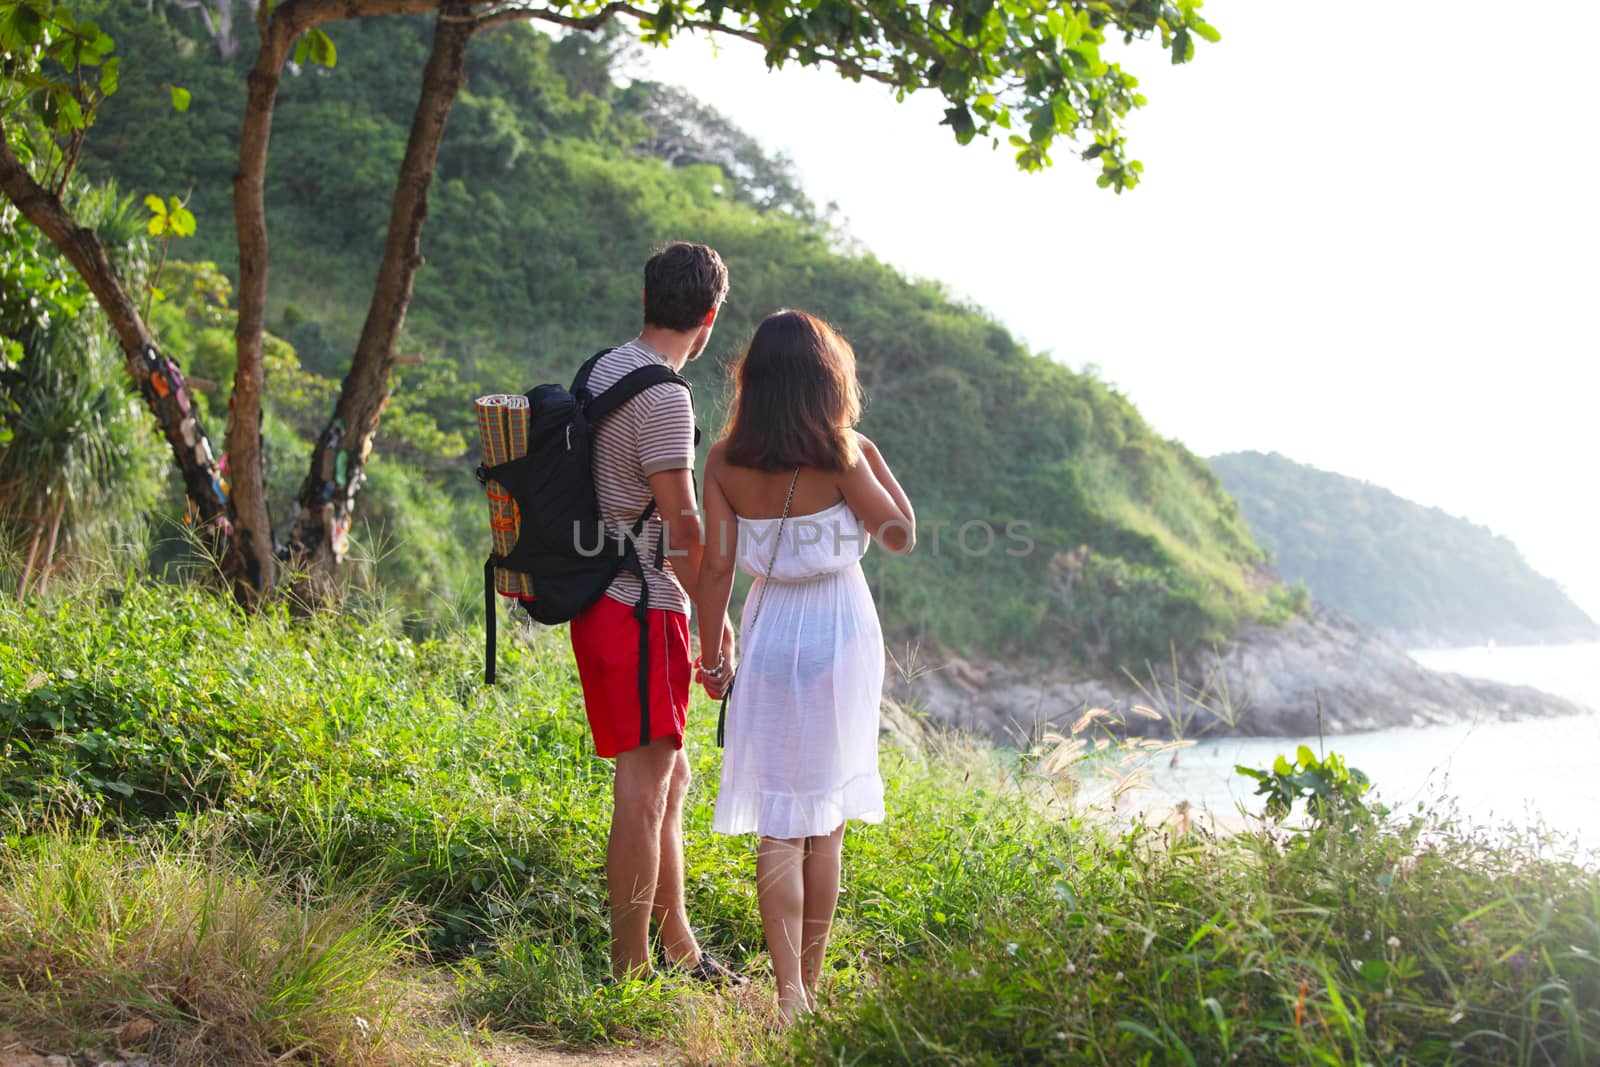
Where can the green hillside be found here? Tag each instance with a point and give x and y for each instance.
(1393, 563)
(554, 183)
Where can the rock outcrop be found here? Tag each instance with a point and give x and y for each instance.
(1324, 672)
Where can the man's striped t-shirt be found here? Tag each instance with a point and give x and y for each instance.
(651, 433)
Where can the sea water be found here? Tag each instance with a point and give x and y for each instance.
(1543, 771)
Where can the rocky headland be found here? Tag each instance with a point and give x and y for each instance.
(1467, 636)
(1426, 578)
(1319, 672)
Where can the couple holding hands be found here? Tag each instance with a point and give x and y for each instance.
(794, 496)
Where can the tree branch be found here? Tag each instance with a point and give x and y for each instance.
(158, 379)
(294, 17)
(618, 7)
(297, 16)
(491, 19)
(81, 246)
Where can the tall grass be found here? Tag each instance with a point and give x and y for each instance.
(362, 791)
(192, 955)
(1409, 942)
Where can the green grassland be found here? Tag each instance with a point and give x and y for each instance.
(244, 834)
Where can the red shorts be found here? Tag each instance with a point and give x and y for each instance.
(605, 641)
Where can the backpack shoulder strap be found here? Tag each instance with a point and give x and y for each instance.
(631, 385)
(580, 384)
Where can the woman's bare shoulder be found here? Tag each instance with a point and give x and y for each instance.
(861, 461)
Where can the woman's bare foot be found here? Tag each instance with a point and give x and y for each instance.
(794, 1002)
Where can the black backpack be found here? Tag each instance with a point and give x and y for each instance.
(562, 543)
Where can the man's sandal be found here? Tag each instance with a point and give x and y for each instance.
(712, 971)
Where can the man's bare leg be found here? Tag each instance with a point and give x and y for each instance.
(633, 854)
(670, 911)
(820, 875)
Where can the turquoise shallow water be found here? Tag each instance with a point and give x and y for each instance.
(1495, 772)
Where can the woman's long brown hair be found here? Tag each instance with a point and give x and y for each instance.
(795, 397)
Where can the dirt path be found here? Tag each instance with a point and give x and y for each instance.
(15, 1053)
(530, 1056)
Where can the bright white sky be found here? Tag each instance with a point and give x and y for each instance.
(1368, 238)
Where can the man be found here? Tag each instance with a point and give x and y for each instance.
(643, 451)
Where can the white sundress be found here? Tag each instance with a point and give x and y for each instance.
(800, 754)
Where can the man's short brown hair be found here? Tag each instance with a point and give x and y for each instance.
(681, 283)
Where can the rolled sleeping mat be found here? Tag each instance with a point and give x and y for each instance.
(503, 433)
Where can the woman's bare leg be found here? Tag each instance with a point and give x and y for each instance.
(820, 876)
(780, 892)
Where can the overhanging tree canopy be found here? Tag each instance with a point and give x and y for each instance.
(1027, 70)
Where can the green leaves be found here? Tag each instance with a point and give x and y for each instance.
(1182, 47)
(316, 46)
(1331, 791)
(959, 119)
(35, 29)
(999, 64)
(67, 113)
(46, 51)
(170, 216)
(21, 25)
(1374, 972)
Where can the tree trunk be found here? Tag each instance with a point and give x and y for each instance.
(33, 554)
(253, 521)
(253, 534)
(319, 535)
(159, 380)
(50, 549)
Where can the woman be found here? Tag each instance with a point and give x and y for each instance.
(794, 495)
